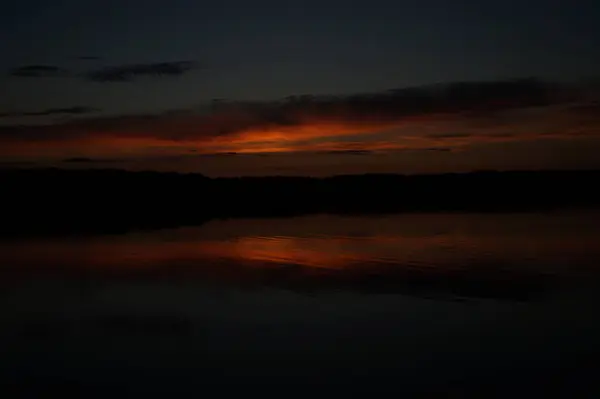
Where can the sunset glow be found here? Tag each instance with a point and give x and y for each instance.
(186, 135)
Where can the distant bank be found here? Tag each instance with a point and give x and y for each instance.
(65, 201)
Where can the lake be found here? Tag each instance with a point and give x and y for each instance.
(422, 304)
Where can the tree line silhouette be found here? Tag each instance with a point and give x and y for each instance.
(59, 201)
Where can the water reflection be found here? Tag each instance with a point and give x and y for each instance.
(226, 304)
(465, 255)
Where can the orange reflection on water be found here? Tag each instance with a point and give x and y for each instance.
(102, 253)
(427, 242)
(294, 250)
(156, 251)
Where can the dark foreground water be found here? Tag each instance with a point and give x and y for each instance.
(490, 305)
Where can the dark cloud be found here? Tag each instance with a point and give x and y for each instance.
(220, 154)
(223, 154)
(115, 73)
(591, 108)
(150, 125)
(314, 123)
(349, 152)
(77, 110)
(38, 71)
(9, 164)
(126, 73)
(449, 135)
(399, 103)
(89, 160)
(378, 108)
(437, 149)
(80, 160)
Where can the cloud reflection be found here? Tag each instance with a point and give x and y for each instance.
(443, 256)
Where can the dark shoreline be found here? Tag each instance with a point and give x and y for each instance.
(47, 202)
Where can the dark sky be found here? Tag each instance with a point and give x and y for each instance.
(70, 60)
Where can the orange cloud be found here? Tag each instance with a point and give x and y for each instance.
(454, 116)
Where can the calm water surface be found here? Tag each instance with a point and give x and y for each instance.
(417, 303)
